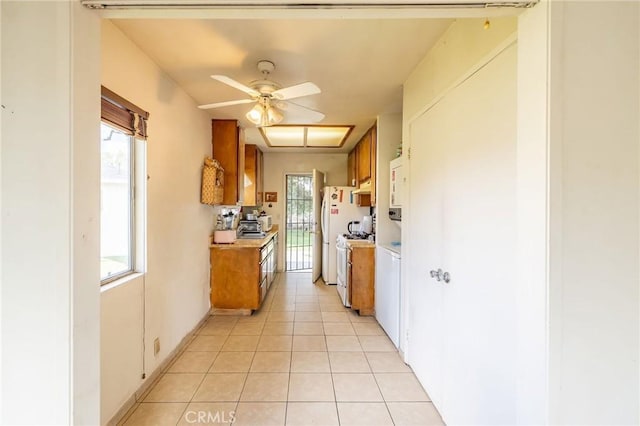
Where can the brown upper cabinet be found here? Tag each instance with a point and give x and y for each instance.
(361, 164)
(253, 176)
(374, 148)
(227, 141)
(363, 150)
(352, 168)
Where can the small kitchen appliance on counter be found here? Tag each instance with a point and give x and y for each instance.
(366, 226)
(266, 222)
(250, 229)
(225, 232)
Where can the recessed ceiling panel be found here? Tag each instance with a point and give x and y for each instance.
(327, 137)
(294, 136)
(283, 136)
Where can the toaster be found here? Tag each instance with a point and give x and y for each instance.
(266, 223)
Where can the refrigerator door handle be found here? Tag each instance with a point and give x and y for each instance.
(322, 213)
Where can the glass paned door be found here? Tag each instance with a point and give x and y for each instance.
(299, 239)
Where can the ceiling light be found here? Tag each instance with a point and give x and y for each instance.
(274, 116)
(306, 136)
(255, 115)
(264, 115)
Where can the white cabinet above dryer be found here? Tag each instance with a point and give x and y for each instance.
(397, 183)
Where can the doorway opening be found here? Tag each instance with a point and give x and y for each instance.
(299, 221)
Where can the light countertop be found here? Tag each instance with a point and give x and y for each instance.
(360, 243)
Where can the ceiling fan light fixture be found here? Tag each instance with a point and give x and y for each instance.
(265, 92)
(274, 116)
(255, 114)
(264, 115)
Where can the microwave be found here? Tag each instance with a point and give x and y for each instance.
(266, 222)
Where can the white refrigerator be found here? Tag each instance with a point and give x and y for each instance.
(338, 209)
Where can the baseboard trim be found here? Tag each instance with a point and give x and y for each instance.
(152, 378)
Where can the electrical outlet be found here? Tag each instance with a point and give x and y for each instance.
(156, 346)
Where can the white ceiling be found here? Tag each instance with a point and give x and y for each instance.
(360, 65)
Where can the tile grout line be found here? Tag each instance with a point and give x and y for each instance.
(285, 298)
(204, 376)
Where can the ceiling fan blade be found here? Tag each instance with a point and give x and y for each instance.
(227, 103)
(303, 112)
(297, 91)
(237, 85)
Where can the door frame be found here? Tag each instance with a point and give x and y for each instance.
(284, 230)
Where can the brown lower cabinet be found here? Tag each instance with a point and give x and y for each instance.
(242, 272)
(361, 276)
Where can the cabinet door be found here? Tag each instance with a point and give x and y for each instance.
(271, 276)
(253, 176)
(263, 290)
(352, 173)
(259, 178)
(275, 253)
(363, 200)
(250, 175)
(364, 158)
(362, 279)
(270, 263)
(372, 162)
(225, 141)
(264, 269)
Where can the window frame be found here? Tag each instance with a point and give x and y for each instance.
(132, 258)
(122, 115)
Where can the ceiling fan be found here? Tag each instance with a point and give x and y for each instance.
(270, 98)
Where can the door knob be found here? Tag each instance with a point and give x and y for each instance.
(440, 275)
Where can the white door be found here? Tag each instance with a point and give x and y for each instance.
(462, 220)
(425, 254)
(316, 266)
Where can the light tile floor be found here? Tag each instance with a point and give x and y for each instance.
(302, 359)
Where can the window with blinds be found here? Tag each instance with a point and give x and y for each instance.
(123, 126)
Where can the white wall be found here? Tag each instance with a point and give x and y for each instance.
(277, 165)
(462, 46)
(50, 214)
(532, 205)
(578, 153)
(173, 294)
(389, 133)
(594, 280)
